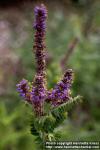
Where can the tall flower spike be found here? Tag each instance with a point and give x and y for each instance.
(39, 88)
(61, 92)
(39, 46)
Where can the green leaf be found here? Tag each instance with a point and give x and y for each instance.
(68, 105)
(60, 113)
(48, 125)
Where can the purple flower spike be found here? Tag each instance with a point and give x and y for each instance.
(24, 90)
(40, 17)
(39, 46)
(38, 93)
(61, 92)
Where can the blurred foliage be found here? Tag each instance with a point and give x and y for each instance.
(83, 121)
(14, 133)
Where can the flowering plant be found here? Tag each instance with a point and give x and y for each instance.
(49, 106)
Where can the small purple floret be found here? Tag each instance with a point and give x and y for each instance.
(38, 93)
(40, 17)
(23, 88)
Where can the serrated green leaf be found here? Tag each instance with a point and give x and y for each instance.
(60, 113)
(66, 106)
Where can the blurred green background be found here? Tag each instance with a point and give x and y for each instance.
(67, 20)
